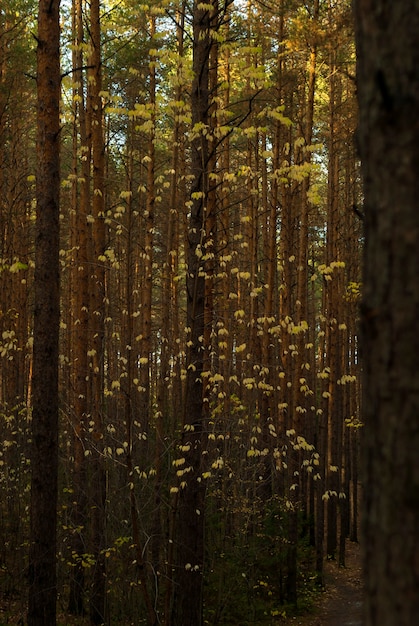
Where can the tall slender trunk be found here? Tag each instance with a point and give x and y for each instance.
(188, 598)
(44, 457)
(145, 343)
(165, 409)
(332, 311)
(80, 199)
(98, 286)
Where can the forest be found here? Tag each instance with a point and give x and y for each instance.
(208, 246)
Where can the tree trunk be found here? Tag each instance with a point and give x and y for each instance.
(79, 318)
(388, 92)
(188, 601)
(97, 304)
(145, 343)
(44, 461)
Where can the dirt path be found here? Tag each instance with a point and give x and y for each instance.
(341, 603)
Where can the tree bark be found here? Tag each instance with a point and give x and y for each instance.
(188, 597)
(80, 202)
(44, 461)
(388, 92)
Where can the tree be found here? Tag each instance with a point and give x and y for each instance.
(188, 602)
(97, 307)
(78, 307)
(388, 93)
(44, 461)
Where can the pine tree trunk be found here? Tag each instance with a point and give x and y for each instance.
(97, 307)
(188, 599)
(44, 461)
(79, 319)
(388, 92)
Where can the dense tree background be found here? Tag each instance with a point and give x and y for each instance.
(210, 278)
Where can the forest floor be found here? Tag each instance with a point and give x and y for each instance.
(341, 602)
(339, 605)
